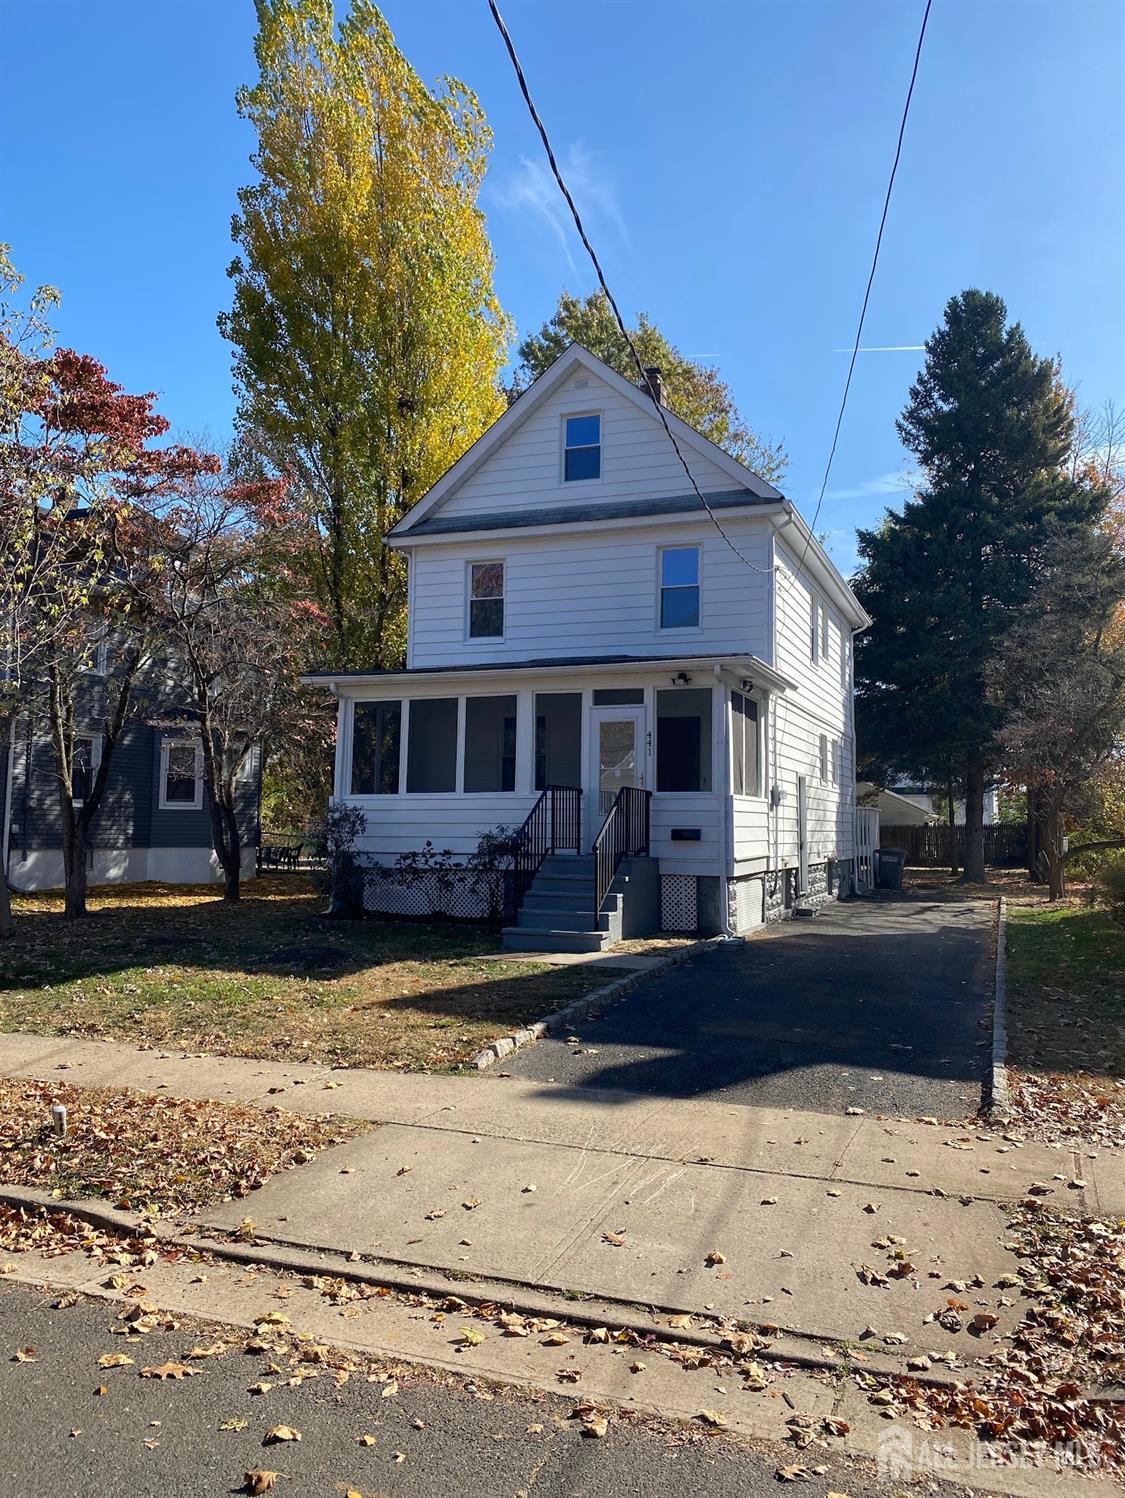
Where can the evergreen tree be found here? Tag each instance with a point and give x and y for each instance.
(989, 424)
(696, 392)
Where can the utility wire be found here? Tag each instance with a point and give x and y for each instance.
(870, 283)
(525, 90)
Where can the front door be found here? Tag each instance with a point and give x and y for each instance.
(617, 736)
(802, 834)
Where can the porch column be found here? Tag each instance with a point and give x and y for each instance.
(525, 742)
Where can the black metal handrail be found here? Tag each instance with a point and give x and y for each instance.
(626, 830)
(554, 823)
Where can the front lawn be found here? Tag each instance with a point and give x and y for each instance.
(1066, 1016)
(173, 966)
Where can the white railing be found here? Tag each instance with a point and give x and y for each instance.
(866, 842)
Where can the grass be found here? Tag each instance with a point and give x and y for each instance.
(1066, 991)
(149, 1152)
(173, 966)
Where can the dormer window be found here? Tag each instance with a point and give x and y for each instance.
(582, 448)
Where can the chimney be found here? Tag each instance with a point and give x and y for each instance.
(654, 385)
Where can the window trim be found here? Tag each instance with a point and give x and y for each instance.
(679, 629)
(502, 563)
(822, 759)
(167, 742)
(97, 741)
(564, 446)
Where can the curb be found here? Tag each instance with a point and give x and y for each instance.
(798, 1349)
(564, 1019)
(999, 1094)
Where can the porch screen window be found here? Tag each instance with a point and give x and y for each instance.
(376, 731)
(558, 739)
(744, 729)
(431, 750)
(582, 454)
(683, 740)
(490, 743)
(679, 587)
(486, 600)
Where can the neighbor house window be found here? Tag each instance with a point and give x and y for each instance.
(679, 587)
(824, 756)
(486, 600)
(84, 766)
(845, 649)
(490, 743)
(744, 728)
(837, 758)
(431, 748)
(582, 450)
(683, 739)
(558, 739)
(181, 775)
(376, 736)
(824, 643)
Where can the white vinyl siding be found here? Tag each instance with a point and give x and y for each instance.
(637, 459)
(593, 594)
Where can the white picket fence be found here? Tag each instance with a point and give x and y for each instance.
(866, 842)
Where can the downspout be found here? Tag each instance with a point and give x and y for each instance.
(726, 838)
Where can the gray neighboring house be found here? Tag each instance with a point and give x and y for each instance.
(153, 822)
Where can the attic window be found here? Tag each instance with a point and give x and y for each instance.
(582, 452)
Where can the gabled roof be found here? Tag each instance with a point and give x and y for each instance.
(688, 438)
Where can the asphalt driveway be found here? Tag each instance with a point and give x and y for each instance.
(883, 1005)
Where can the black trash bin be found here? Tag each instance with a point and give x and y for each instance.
(892, 861)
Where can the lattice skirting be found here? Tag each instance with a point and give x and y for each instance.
(465, 897)
(679, 906)
(748, 909)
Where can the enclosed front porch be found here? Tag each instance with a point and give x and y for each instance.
(444, 757)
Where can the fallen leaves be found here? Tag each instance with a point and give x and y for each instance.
(260, 1480)
(280, 1433)
(712, 1417)
(115, 1360)
(175, 1371)
(615, 1240)
(144, 1149)
(715, 1257)
(24, 1355)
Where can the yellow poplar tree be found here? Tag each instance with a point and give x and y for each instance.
(368, 337)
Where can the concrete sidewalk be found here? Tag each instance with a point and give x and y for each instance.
(623, 1197)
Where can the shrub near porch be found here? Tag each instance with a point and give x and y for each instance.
(173, 966)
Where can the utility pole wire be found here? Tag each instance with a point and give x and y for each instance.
(870, 282)
(545, 138)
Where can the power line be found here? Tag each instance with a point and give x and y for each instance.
(545, 138)
(525, 90)
(870, 282)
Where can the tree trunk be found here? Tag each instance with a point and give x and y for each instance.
(1034, 837)
(1051, 843)
(952, 829)
(233, 868)
(74, 875)
(7, 924)
(974, 823)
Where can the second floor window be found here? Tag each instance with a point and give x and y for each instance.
(486, 600)
(582, 451)
(679, 587)
(181, 775)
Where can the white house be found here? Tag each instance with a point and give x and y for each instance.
(596, 657)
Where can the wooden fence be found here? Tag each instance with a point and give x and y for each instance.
(866, 842)
(1005, 844)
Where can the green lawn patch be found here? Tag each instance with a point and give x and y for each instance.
(174, 966)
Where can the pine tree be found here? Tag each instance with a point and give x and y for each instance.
(989, 424)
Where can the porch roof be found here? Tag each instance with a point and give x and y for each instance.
(749, 666)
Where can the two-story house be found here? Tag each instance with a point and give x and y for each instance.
(659, 693)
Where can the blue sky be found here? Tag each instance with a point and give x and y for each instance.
(730, 158)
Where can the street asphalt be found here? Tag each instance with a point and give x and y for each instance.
(879, 1004)
(59, 1437)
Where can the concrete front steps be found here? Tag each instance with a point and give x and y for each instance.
(558, 915)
